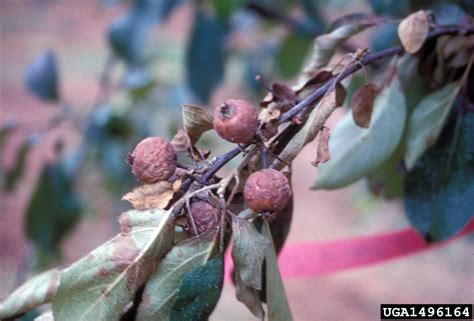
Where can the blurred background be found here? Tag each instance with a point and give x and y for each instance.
(81, 82)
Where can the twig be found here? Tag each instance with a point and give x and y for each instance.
(309, 101)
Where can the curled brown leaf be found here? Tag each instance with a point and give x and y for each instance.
(362, 104)
(150, 196)
(413, 31)
(323, 147)
(181, 141)
(196, 121)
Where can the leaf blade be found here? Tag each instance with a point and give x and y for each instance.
(427, 121)
(277, 302)
(161, 288)
(35, 292)
(99, 285)
(356, 151)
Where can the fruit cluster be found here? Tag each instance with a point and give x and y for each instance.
(266, 191)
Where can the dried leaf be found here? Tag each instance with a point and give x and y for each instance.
(315, 78)
(35, 292)
(284, 92)
(177, 184)
(248, 252)
(277, 302)
(150, 196)
(323, 147)
(313, 125)
(196, 121)
(413, 31)
(181, 141)
(161, 288)
(340, 94)
(326, 45)
(362, 104)
(98, 286)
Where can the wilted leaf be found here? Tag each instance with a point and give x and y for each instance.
(427, 121)
(248, 252)
(150, 196)
(326, 45)
(440, 188)
(277, 302)
(312, 81)
(357, 18)
(54, 208)
(323, 147)
(362, 104)
(161, 288)
(248, 296)
(98, 286)
(199, 292)
(196, 120)
(284, 92)
(413, 31)
(35, 292)
(356, 151)
(181, 141)
(13, 176)
(42, 77)
(313, 125)
(205, 55)
(290, 56)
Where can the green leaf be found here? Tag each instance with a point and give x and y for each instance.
(387, 179)
(199, 292)
(42, 77)
(249, 296)
(13, 176)
(127, 36)
(225, 9)
(196, 121)
(205, 55)
(53, 209)
(393, 8)
(163, 285)
(290, 55)
(355, 151)
(427, 121)
(277, 302)
(35, 292)
(440, 188)
(248, 252)
(98, 286)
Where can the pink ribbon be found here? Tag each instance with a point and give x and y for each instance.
(320, 258)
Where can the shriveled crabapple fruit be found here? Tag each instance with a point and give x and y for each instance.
(267, 190)
(153, 160)
(206, 217)
(236, 121)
